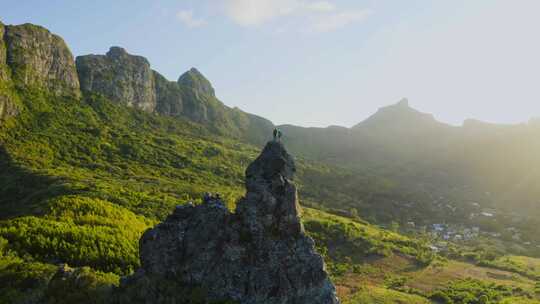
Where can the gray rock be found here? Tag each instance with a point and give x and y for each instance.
(40, 59)
(195, 80)
(169, 100)
(259, 254)
(119, 76)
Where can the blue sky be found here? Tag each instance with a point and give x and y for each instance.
(319, 63)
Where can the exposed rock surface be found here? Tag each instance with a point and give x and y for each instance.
(259, 254)
(195, 80)
(169, 96)
(7, 107)
(38, 58)
(119, 76)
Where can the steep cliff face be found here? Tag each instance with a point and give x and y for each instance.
(168, 96)
(38, 58)
(259, 254)
(7, 107)
(3, 55)
(119, 76)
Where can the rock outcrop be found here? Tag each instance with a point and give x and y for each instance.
(4, 101)
(38, 58)
(7, 107)
(169, 96)
(119, 76)
(33, 57)
(259, 254)
(195, 80)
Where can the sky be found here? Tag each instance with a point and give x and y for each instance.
(320, 63)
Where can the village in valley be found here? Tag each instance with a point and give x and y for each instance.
(478, 225)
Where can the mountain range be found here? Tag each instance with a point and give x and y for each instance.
(431, 156)
(97, 149)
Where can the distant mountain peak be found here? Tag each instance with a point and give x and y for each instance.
(196, 80)
(404, 102)
(117, 51)
(398, 115)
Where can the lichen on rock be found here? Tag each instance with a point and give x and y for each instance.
(258, 254)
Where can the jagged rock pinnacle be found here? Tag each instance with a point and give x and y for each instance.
(274, 160)
(259, 254)
(271, 194)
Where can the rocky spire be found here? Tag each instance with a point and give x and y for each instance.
(259, 254)
(271, 195)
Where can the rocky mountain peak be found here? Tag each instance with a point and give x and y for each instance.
(119, 76)
(404, 102)
(398, 116)
(273, 161)
(196, 80)
(116, 51)
(260, 254)
(37, 58)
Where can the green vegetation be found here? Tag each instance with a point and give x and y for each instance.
(378, 295)
(529, 267)
(82, 179)
(80, 231)
(347, 242)
(474, 292)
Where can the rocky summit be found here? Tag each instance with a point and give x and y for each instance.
(38, 58)
(258, 254)
(120, 76)
(31, 57)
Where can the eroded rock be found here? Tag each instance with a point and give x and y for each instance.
(119, 76)
(259, 254)
(38, 58)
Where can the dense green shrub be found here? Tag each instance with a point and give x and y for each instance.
(471, 291)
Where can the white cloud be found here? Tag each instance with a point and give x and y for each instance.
(187, 18)
(256, 12)
(321, 6)
(334, 21)
(317, 16)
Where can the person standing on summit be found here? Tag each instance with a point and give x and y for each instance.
(277, 134)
